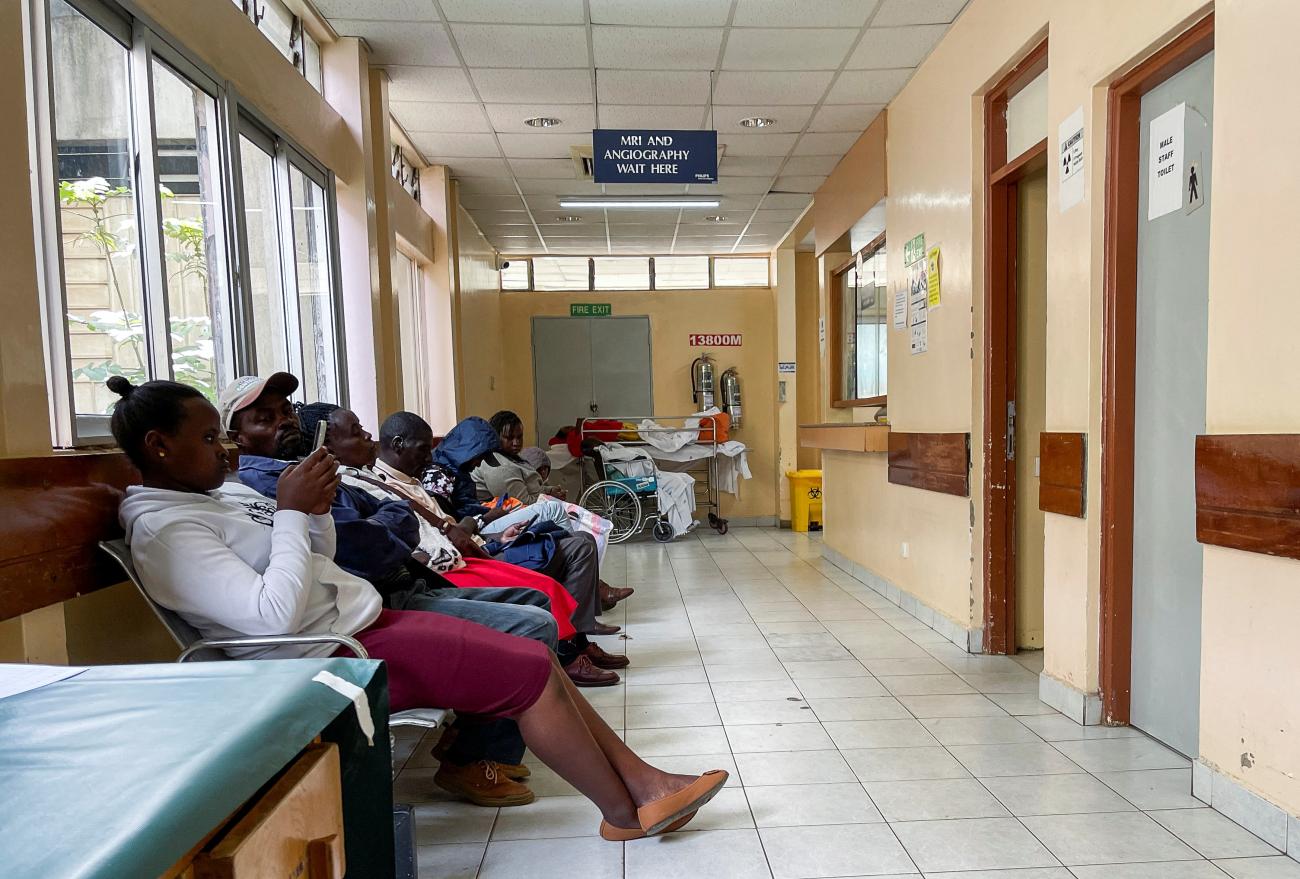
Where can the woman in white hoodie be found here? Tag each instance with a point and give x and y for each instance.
(232, 562)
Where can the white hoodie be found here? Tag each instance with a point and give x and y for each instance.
(230, 564)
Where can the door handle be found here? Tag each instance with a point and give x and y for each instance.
(1011, 430)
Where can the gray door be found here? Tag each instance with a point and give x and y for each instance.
(1172, 321)
(589, 367)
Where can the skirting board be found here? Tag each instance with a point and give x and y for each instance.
(747, 522)
(1082, 708)
(1266, 820)
(970, 640)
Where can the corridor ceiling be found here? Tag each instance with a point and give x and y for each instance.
(465, 74)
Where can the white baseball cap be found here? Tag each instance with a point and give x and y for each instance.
(245, 391)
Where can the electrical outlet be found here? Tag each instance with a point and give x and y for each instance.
(906, 549)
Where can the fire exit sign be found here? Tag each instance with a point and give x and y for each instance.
(590, 309)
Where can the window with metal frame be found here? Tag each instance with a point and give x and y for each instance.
(860, 329)
(285, 30)
(559, 273)
(681, 272)
(183, 238)
(517, 275)
(741, 271)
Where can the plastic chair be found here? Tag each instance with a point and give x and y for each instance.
(192, 643)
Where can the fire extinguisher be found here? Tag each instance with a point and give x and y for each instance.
(702, 381)
(731, 395)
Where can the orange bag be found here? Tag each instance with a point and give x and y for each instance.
(710, 424)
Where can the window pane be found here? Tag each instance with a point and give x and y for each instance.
(266, 292)
(849, 340)
(406, 287)
(515, 275)
(681, 273)
(189, 170)
(743, 272)
(311, 62)
(277, 25)
(97, 208)
(315, 303)
(560, 273)
(622, 273)
(872, 328)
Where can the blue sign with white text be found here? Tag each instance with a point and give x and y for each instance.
(644, 156)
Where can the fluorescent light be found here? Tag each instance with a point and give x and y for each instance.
(639, 203)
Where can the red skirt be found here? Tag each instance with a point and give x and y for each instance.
(436, 661)
(490, 573)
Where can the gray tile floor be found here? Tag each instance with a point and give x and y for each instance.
(861, 744)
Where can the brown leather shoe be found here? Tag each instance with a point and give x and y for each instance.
(601, 659)
(514, 771)
(483, 784)
(603, 629)
(584, 674)
(610, 596)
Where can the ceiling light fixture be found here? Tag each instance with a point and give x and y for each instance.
(716, 219)
(757, 121)
(543, 122)
(568, 218)
(639, 203)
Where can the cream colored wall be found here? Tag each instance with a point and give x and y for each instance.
(1250, 711)
(674, 315)
(481, 342)
(807, 358)
(785, 297)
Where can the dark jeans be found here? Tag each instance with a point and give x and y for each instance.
(576, 564)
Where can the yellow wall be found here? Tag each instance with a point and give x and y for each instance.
(807, 357)
(673, 316)
(480, 335)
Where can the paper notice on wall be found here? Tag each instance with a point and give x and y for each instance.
(918, 305)
(900, 307)
(1070, 138)
(1165, 163)
(932, 276)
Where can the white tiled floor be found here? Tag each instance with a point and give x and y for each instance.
(861, 744)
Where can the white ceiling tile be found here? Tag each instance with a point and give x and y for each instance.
(771, 88)
(507, 208)
(844, 117)
(510, 117)
(836, 144)
(868, 86)
(547, 202)
(786, 201)
(649, 217)
(479, 168)
(592, 223)
(441, 118)
(405, 42)
(518, 45)
(803, 13)
(786, 217)
(758, 144)
(641, 116)
(885, 47)
(896, 12)
(487, 185)
(536, 145)
(513, 11)
(673, 13)
(813, 164)
(742, 185)
(799, 184)
(428, 84)
(788, 118)
(656, 48)
(443, 146)
(750, 166)
(500, 86)
(553, 186)
(654, 87)
(391, 10)
(558, 168)
(786, 48)
(766, 229)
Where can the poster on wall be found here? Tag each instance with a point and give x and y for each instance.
(1070, 138)
(900, 306)
(932, 276)
(1165, 163)
(918, 296)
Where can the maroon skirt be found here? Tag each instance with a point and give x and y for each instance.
(436, 661)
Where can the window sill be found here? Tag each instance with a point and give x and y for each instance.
(845, 437)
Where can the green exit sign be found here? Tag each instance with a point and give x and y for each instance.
(590, 309)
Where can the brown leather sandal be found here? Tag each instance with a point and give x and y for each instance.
(622, 834)
(656, 816)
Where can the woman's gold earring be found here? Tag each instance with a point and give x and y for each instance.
(162, 454)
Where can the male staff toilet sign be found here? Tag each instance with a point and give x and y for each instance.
(1165, 163)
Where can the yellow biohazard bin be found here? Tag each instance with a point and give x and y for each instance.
(805, 500)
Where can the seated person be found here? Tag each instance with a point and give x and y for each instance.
(405, 441)
(452, 552)
(448, 479)
(230, 563)
(504, 472)
(536, 457)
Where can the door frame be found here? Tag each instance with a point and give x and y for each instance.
(1124, 175)
(1001, 236)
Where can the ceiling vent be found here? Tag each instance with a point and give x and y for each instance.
(582, 161)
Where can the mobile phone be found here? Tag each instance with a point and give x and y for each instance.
(322, 427)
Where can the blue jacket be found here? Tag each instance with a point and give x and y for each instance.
(375, 537)
(463, 444)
